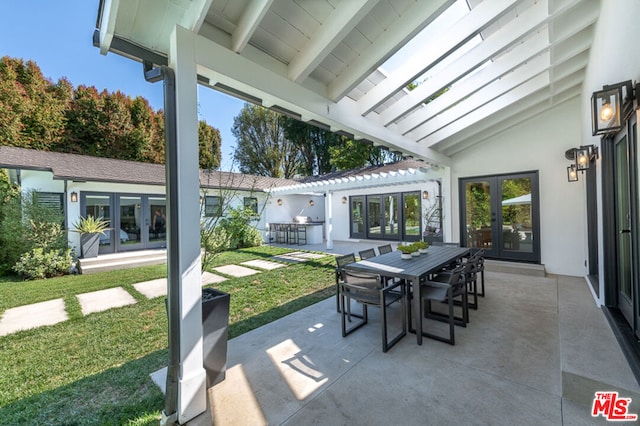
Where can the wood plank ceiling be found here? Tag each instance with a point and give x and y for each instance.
(480, 66)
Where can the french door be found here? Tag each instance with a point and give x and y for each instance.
(500, 214)
(135, 221)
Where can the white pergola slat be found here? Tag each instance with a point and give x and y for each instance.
(248, 24)
(462, 31)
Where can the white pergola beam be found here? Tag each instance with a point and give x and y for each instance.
(537, 83)
(195, 15)
(530, 48)
(459, 33)
(569, 63)
(484, 96)
(514, 115)
(248, 23)
(222, 65)
(340, 23)
(184, 229)
(107, 29)
(417, 17)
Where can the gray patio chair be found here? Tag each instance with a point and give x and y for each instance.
(470, 275)
(369, 290)
(480, 269)
(385, 249)
(444, 292)
(367, 254)
(341, 261)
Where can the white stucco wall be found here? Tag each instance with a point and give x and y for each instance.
(613, 59)
(538, 144)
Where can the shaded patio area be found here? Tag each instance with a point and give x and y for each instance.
(534, 353)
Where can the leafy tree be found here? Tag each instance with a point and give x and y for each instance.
(209, 143)
(315, 145)
(39, 114)
(262, 148)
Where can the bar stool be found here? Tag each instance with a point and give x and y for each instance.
(292, 233)
(281, 233)
(302, 234)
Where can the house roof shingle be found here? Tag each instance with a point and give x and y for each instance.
(97, 169)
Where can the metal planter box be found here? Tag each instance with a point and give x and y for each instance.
(215, 322)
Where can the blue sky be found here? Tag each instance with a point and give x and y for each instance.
(57, 35)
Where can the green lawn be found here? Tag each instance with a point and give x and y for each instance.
(94, 370)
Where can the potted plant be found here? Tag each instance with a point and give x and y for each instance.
(422, 246)
(90, 228)
(406, 251)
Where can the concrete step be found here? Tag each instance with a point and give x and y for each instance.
(529, 269)
(110, 262)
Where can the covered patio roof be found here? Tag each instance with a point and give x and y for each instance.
(482, 66)
(407, 171)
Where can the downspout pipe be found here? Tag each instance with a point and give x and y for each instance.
(153, 75)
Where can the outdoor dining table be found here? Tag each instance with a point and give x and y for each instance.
(413, 270)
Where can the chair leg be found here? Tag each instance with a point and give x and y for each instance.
(386, 344)
(481, 292)
(343, 316)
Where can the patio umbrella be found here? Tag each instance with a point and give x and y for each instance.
(523, 199)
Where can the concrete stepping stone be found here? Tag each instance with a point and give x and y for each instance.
(263, 264)
(306, 255)
(235, 270)
(98, 301)
(157, 288)
(152, 289)
(209, 278)
(32, 316)
(289, 259)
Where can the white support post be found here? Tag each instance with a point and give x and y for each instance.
(328, 218)
(184, 231)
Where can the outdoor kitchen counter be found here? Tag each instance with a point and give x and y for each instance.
(314, 231)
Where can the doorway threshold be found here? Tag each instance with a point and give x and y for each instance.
(627, 339)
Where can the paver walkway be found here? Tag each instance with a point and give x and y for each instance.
(32, 316)
(53, 311)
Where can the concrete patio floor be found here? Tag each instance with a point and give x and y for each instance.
(534, 353)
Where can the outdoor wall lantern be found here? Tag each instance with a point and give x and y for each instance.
(279, 202)
(581, 158)
(425, 195)
(344, 200)
(311, 203)
(572, 173)
(74, 197)
(610, 106)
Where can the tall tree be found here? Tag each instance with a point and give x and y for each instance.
(314, 143)
(209, 141)
(37, 113)
(262, 148)
(31, 107)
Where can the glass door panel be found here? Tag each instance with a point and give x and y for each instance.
(156, 221)
(357, 217)
(374, 216)
(623, 228)
(130, 226)
(391, 216)
(517, 215)
(478, 215)
(412, 217)
(100, 206)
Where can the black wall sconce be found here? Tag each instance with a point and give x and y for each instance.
(425, 195)
(74, 197)
(279, 202)
(611, 105)
(582, 158)
(311, 203)
(344, 200)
